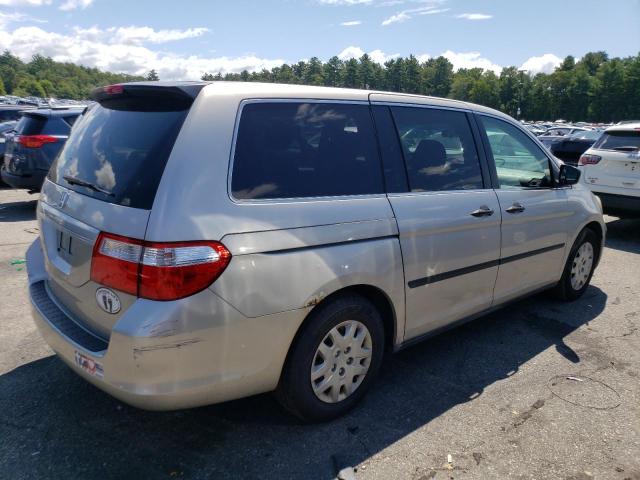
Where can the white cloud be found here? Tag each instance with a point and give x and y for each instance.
(397, 18)
(89, 48)
(74, 4)
(24, 3)
(470, 60)
(133, 35)
(474, 16)
(377, 56)
(14, 17)
(407, 14)
(546, 63)
(351, 23)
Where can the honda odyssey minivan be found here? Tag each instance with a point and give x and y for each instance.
(202, 242)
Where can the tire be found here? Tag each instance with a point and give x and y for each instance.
(323, 332)
(574, 282)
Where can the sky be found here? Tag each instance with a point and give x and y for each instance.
(182, 39)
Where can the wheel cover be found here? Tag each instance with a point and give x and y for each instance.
(341, 361)
(581, 267)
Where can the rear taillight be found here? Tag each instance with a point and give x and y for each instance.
(588, 159)
(157, 270)
(35, 141)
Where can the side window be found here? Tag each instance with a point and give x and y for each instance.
(294, 150)
(520, 163)
(438, 148)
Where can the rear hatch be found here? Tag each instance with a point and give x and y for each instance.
(619, 160)
(105, 180)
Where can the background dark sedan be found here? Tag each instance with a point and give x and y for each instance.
(36, 141)
(570, 148)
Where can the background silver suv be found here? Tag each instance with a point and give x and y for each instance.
(203, 242)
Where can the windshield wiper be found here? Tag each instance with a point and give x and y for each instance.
(81, 183)
(627, 149)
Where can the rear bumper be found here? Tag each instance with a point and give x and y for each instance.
(168, 355)
(619, 204)
(32, 181)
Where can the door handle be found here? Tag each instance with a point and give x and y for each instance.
(483, 211)
(515, 208)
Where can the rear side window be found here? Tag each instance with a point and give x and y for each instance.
(438, 148)
(121, 149)
(296, 150)
(619, 140)
(30, 125)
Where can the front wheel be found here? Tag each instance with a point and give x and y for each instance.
(334, 359)
(579, 267)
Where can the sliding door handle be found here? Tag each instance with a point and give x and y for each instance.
(515, 208)
(483, 211)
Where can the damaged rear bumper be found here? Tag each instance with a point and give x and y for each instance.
(168, 355)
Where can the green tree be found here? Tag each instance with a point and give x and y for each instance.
(152, 76)
(438, 77)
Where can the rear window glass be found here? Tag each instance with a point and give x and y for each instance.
(71, 119)
(294, 150)
(120, 149)
(620, 140)
(30, 125)
(9, 114)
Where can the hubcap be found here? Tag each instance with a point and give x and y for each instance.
(341, 361)
(581, 268)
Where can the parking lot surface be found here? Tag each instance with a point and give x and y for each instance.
(540, 389)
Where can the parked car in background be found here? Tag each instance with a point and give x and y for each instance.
(35, 142)
(537, 130)
(5, 127)
(201, 242)
(557, 133)
(569, 148)
(611, 169)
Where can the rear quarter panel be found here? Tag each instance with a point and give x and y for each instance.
(287, 254)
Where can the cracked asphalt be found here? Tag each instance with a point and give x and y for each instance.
(540, 390)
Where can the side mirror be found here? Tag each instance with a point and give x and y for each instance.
(569, 175)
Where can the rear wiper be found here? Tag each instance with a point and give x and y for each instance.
(81, 183)
(626, 149)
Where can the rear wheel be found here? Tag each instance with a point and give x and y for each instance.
(579, 267)
(334, 359)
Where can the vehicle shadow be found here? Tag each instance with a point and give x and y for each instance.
(624, 234)
(58, 426)
(18, 211)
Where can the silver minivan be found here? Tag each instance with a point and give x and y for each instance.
(202, 242)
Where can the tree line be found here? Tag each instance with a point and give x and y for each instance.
(595, 88)
(43, 77)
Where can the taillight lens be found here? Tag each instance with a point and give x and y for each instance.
(157, 271)
(588, 159)
(113, 89)
(35, 141)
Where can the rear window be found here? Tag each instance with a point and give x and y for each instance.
(30, 125)
(295, 150)
(619, 140)
(121, 149)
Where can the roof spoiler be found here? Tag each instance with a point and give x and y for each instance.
(147, 96)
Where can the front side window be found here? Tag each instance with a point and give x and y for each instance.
(520, 163)
(438, 148)
(297, 150)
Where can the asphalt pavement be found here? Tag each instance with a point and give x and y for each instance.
(540, 390)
